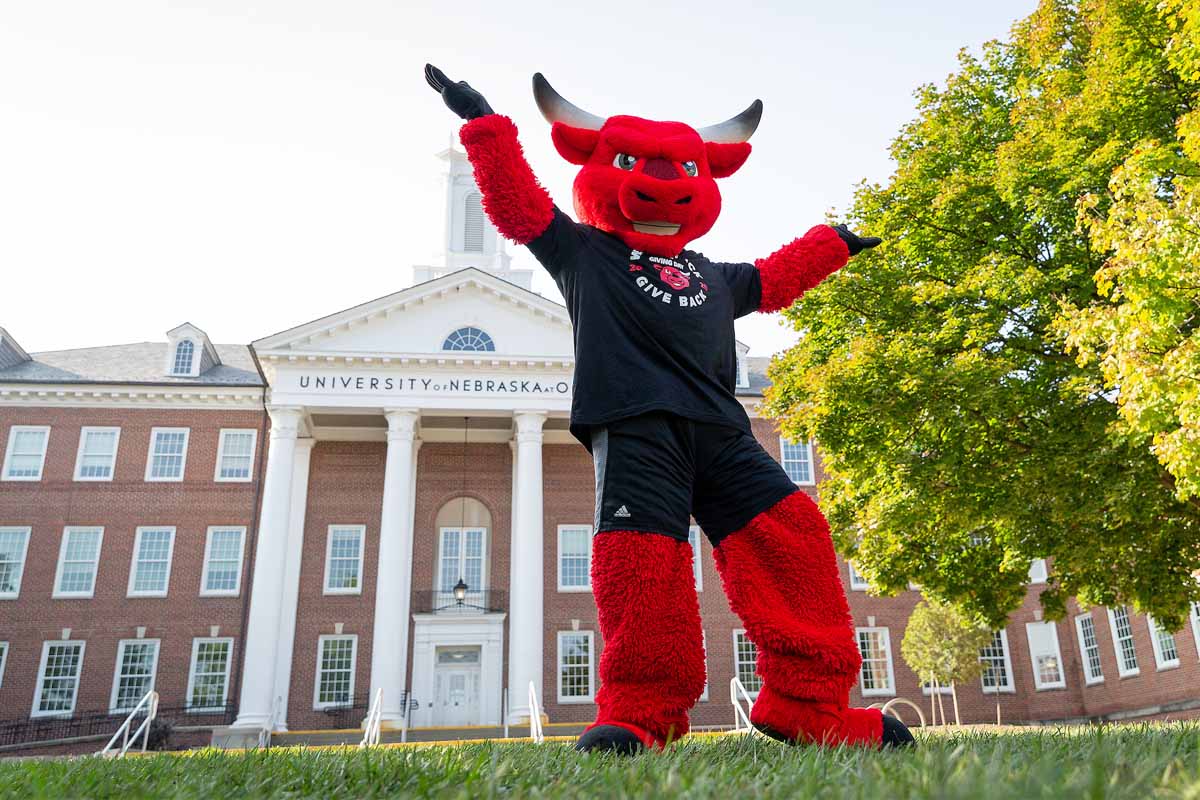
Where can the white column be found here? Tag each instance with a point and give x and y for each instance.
(393, 582)
(266, 592)
(291, 578)
(525, 582)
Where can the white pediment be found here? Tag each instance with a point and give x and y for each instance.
(417, 321)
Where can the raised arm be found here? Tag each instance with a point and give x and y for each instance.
(512, 197)
(799, 266)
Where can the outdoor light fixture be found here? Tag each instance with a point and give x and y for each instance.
(460, 591)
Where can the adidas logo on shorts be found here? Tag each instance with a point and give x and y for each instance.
(622, 512)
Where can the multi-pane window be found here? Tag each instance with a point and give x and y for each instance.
(797, 459)
(235, 455)
(697, 561)
(997, 665)
(1122, 633)
(3, 661)
(78, 558)
(185, 354)
(58, 678)
(14, 543)
(575, 684)
(745, 658)
(461, 558)
(1037, 570)
(1045, 655)
(1196, 623)
(150, 572)
(222, 573)
(574, 558)
(344, 559)
(1166, 654)
(168, 454)
(1089, 649)
(137, 661)
(875, 676)
(475, 339)
(335, 671)
(473, 223)
(97, 456)
(857, 582)
(208, 681)
(26, 454)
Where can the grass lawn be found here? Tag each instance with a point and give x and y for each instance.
(1130, 761)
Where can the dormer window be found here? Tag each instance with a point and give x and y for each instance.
(185, 354)
(469, 339)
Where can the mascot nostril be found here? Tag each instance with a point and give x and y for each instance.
(654, 400)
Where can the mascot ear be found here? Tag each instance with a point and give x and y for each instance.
(574, 144)
(725, 159)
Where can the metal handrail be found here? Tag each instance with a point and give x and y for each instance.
(886, 708)
(535, 716)
(150, 702)
(374, 721)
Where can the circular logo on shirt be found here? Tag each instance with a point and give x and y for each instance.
(670, 281)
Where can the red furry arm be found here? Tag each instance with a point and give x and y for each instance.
(512, 197)
(797, 267)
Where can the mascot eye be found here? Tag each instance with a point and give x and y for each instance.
(624, 161)
(690, 168)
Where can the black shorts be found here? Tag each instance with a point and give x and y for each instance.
(656, 471)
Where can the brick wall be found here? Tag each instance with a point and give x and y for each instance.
(120, 506)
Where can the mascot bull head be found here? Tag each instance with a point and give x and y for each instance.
(652, 184)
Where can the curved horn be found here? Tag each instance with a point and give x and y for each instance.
(556, 108)
(736, 129)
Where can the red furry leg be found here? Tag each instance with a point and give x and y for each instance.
(780, 574)
(652, 666)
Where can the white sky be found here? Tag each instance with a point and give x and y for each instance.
(249, 166)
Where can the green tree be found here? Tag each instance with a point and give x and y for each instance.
(942, 643)
(961, 438)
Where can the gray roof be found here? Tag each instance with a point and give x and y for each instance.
(756, 367)
(141, 363)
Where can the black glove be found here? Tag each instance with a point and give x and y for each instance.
(459, 97)
(856, 243)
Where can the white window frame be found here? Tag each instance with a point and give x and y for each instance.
(857, 582)
(191, 684)
(1061, 683)
(112, 464)
(1161, 662)
(193, 360)
(472, 591)
(1195, 614)
(1088, 678)
(121, 645)
(587, 530)
(704, 654)
(12, 442)
(1009, 686)
(154, 433)
(58, 594)
(737, 662)
(321, 640)
(13, 595)
(558, 668)
(205, 592)
(743, 372)
(886, 639)
(694, 537)
(221, 454)
(41, 678)
(133, 564)
(1038, 573)
(4, 648)
(1122, 670)
(361, 532)
(812, 464)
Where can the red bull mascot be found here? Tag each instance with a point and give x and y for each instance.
(655, 370)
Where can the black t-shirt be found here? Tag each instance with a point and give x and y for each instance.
(651, 333)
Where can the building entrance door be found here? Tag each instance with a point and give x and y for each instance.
(456, 686)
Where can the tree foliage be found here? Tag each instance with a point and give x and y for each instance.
(962, 437)
(943, 643)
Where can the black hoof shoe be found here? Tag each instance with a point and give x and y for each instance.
(609, 739)
(895, 733)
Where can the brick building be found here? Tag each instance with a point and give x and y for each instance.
(271, 532)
